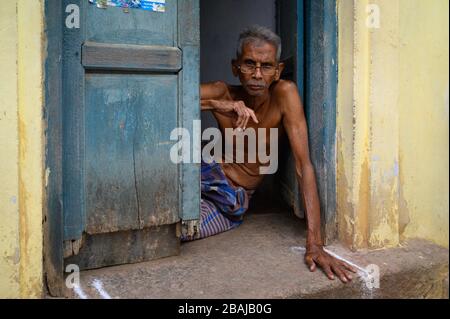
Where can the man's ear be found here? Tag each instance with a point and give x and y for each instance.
(280, 69)
(234, 67)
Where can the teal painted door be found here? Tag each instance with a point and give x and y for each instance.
(129, 78)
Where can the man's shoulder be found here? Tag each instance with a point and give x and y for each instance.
(284, 90)
(284, 87)
(284, 93)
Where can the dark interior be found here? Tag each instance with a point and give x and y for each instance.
(221, 21)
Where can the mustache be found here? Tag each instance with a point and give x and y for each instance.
(256, 83)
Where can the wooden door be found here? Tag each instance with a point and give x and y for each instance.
(129, 77)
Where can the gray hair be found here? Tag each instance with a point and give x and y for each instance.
(257, 33)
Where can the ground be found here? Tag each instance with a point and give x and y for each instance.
(261, 259)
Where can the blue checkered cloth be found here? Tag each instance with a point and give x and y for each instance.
(222, 204)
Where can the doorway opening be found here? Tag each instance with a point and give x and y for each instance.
(221, 22)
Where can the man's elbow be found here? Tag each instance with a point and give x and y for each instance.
(213, 90)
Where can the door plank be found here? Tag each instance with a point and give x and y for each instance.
(111, 202)
(73, 127)
(189, 95)
(140, 27)
(131, 183)
(53, 214)
(156, 175)
(131, 57)
(126, 247)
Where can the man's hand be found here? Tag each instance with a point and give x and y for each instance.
(237, 109)
(315, 255)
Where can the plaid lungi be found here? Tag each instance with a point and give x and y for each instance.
(222, 205)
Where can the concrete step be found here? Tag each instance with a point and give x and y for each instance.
(262, 259)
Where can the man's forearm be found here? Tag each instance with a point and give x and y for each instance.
(207, 105)
(312, 205)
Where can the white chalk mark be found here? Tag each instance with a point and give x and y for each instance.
(99, 286)
(361, 269)
(80, 292)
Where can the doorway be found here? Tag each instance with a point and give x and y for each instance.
(218, 47)
(308, 30)
(310, 50)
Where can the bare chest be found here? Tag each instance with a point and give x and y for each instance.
(268, 115)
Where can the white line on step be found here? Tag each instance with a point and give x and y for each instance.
(99, 286)
(80, 292)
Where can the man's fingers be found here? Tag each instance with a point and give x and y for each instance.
(338, 271)
(243, 116)
(239, 122)
(250, 114)
(311, 264)
(349, 267)
(328, 271)
(247, 118)
(253, 115)
(325, 265)
(240, 117)
(347, 274)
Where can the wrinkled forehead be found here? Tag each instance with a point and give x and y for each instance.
(259, 51)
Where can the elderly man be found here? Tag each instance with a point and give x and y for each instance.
(261, 101)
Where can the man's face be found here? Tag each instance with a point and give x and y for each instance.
(261, 57)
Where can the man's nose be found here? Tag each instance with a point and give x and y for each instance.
(257, 74)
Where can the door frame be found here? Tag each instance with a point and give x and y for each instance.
(53, 117)
(321, 76)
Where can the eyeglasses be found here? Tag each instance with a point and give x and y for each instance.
(249, 68)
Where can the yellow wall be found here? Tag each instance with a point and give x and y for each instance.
(392, 123)
(423, 100)
(21, 158)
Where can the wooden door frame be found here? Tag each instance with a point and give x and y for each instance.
(321, 67)
(53, 117)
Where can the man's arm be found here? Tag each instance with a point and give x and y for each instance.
(215, 97)
(294, 123)
(211, 92)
